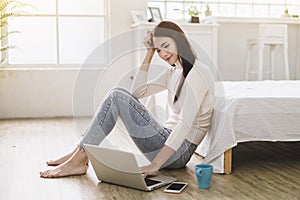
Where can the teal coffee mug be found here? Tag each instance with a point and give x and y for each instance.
(204, 173)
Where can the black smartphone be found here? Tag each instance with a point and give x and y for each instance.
(176, 187)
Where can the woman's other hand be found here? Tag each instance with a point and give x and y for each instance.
(151, 169)
(165, 153)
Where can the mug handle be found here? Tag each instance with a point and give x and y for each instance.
(199, 172)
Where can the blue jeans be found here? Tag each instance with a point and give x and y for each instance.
(148, 135)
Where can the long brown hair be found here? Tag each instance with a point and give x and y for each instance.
(185, 53)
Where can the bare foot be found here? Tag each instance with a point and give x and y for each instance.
(62, 159)
(76, 165)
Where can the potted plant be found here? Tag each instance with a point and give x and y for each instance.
(286, 13)
(207, 11)
(194, 13)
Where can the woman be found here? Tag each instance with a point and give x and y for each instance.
(190, 96)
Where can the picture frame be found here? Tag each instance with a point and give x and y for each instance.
(155, 14)
(138, 16)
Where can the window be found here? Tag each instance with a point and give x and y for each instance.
(58, 32)
(178, 9)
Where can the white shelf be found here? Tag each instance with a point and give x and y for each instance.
(282, 20)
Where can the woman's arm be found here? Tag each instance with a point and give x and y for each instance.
(147, 60)
(141, 87)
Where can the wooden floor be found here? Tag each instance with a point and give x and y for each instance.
(261, 170)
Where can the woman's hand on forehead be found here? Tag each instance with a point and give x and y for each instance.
(148, 40)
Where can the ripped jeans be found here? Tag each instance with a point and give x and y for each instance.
(147, 134)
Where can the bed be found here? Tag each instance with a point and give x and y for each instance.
(251, 111)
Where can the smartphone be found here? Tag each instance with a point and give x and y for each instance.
(176, 187)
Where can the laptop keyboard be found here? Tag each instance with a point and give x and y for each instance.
(150, 182)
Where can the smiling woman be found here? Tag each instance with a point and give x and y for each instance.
(170, 145)
(171, 36)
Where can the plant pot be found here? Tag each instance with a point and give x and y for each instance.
(195, 19)
(208, 13)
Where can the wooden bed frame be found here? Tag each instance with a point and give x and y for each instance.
(228, 161)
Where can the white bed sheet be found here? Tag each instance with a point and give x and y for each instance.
(252, 111)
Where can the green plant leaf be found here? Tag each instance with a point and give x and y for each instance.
(9, 9)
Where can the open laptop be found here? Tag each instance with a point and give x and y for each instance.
(121, 168)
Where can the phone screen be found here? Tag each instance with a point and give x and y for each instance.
(176, 187)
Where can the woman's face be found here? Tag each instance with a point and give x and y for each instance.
(166, 49)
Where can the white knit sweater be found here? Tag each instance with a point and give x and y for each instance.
(191, 114)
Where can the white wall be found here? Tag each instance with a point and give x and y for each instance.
(36, 93)
(120, 14)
